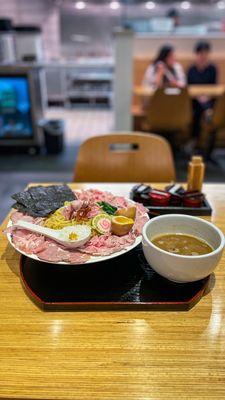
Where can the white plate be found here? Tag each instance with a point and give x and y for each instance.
(93, 259)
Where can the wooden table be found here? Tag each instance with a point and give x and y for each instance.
(194, 91)
(112, 355)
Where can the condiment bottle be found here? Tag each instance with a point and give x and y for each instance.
(196, 172)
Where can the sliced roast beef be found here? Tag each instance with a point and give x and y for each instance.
(54, 253)
(30, 243)
(107, 244)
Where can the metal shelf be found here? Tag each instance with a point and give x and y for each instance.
(83, 81)
(92, 77)
(89, 94)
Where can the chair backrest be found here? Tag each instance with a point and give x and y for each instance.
(169, 110)
(218, 117)
(125, 157)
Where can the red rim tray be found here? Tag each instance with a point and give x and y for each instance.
(123, 283)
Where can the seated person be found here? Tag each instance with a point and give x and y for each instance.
(202, 72)
(165, 71)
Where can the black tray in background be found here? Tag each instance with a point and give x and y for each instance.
(205, 210)
(123, 283)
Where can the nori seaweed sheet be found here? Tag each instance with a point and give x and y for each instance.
(40, 201)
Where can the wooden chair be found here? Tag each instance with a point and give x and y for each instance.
(213, 128)
(218, 116)
(125, 157)
(170, 111)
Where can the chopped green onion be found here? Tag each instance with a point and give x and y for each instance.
(108, 208)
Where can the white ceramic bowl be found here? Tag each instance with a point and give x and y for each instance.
(176, 267)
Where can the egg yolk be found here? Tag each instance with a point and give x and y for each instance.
(123, 220)
(73, 236)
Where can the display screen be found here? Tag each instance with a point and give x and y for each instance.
(15, 108)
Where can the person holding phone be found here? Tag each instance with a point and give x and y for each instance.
(165, 70)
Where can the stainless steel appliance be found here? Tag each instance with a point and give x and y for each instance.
(7, 44)
(29, 46)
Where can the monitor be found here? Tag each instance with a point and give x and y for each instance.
(15, 108)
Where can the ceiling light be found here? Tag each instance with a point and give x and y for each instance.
(150, 5)
(80, 5)
(185, 5)
(114, 5)
(221, 5)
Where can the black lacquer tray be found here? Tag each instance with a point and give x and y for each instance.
(123, 283)
(204, 210)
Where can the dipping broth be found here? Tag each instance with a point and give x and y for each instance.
(185, 245)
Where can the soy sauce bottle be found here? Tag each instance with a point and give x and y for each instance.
(196, 173)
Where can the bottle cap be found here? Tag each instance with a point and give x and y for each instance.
(197, 159)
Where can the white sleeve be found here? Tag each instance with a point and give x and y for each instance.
(149, 77)
(180, 74)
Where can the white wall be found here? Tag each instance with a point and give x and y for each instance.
(123, 80)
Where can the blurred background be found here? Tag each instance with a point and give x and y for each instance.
(70, 70)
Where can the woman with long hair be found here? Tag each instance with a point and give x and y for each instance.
(165, 70)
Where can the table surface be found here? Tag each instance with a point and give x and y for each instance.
(112, 355)
(194, 90)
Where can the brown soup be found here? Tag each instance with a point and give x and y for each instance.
(185, 245)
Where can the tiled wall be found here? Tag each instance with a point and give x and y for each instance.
(44, 13)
